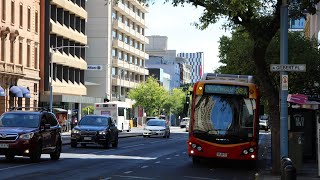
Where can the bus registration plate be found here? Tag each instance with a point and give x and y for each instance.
(220, 154)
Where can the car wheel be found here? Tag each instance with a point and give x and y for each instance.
(35, 155)
(9, 156)
(74, 144)
(129, 129)
(115, 143)
(106, 144)
(56, 154)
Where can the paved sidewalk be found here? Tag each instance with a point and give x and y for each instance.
(135, 131)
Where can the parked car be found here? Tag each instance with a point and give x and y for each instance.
(95, 129)
(184, 122)
(156, 127)
(264, 123)
(187, 126)
(30, 133)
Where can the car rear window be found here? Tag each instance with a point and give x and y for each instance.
(19, 120)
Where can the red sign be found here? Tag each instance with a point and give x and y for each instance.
(297, 98)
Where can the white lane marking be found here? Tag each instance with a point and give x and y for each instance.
(177, 155)
(157, 162)
(144, 167)
(132, 146)
(133, 177)
(194, 177)
(106, 178)
(128, 172)
(184, 152)
(168, 158)
(12, 167)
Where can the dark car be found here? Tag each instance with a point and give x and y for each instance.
(30, 133)
(95, 129)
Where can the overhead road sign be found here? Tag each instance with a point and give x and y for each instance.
(288, 67)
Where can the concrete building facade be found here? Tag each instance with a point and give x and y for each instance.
(161, 57)
(117, 45)
(19, 53)
(195, 60)
(64, 41)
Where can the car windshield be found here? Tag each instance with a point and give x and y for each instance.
(19, 120)
(224, 116)
(156, 123)
(94, 121)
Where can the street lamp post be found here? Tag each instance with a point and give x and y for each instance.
(52, 49)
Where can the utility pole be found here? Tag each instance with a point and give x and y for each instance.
(284, 92)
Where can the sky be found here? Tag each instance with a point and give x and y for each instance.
(176, 24)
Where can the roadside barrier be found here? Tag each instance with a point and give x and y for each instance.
(288, 171)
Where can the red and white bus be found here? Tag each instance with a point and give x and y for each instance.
(224, 120)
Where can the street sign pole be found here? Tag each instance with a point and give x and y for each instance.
(284, 92)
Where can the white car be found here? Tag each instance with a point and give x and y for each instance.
(263, 124)
(156, 127)
(184, 122)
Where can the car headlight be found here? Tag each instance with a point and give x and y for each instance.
(102, 132)
(27, 136)
(75, 131)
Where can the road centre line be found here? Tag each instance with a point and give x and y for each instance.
(194, 177)
(127, 172)
(144, 167)
(133, 177)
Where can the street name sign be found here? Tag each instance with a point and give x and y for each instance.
(288, 67)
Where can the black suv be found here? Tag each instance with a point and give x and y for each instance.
(95, 129)
(30, 133)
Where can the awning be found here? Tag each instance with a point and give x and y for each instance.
(15, 91)
(2, 91)
(25, 92)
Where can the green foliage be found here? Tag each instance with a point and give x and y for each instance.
(235, 53)
(87, 110)
(176, 101)
(150, 95)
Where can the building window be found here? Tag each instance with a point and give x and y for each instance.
(3, 47)
(35, 87)
(29, 19)
(28, 54)
(20, 52)
(12, 51)
(21, 15)
(36, 56)
(36, 21)
(114, 52)
(12, 12)
(3, 3)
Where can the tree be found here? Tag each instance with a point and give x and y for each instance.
(87, 110)
(234, 49)
(261, 20)
(150, 95)
(175, 102)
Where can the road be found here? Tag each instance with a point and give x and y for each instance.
(135, 158)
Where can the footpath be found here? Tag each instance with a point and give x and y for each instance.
(309, 170)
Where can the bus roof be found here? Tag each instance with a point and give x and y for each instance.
(228, 77)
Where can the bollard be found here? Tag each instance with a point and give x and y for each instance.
(284, 162)
(290, 173)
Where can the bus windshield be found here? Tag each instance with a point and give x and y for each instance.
(224, 116)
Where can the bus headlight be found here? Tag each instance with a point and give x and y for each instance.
(199, 148)
(251, 150)
(245, 151)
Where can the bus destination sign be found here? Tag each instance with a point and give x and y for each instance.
(226, 89)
